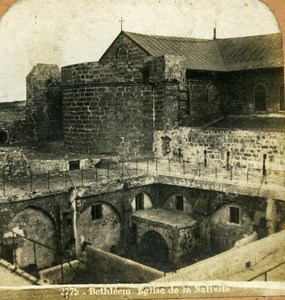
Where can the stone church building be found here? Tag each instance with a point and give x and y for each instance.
(185, 100)
(146, 83)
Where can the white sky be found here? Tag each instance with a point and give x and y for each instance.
(71, 31)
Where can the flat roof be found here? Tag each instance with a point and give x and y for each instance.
(165, 218)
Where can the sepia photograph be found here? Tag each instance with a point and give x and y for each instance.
(142, 149)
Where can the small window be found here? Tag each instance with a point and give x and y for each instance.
(281, 98)
(74, 165)
(234, 215)
(179, 202)
(123, 54)
(3, 136)
(96, 211)
(140, 201)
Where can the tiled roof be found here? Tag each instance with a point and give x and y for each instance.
(244, 53)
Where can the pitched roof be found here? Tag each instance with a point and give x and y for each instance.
(243, 53)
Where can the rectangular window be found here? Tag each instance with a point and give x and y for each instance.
(96, 211)
(74, 165)
(139, 201)
(179, 202)
(234, 215)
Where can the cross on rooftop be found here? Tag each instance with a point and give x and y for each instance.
(121, 21)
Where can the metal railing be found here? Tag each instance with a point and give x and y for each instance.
(45, 181)
(62, 259)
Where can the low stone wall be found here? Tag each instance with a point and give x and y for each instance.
(238, 264)
(110, 268)
(55, 275)
(246, 147)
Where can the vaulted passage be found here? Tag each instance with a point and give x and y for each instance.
(153, 247)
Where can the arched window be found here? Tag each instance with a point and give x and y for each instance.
(141, 201)
(122, 54)
(281, 98)
(260, 98)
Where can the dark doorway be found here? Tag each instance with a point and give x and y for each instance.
(3, 136)
(260, 98)
(154, 247)
(7, 253)
(140, 201)
(134, 234)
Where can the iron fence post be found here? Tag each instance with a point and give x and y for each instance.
(48, 175)
(4, 182)
(35, 254)
(31, 181)
(14, 251)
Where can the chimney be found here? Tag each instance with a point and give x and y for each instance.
(215, 31)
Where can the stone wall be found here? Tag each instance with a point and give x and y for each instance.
(240, 90)
(204, 98)
(210, 209)
(201, 204)
(104, 119)
(245, 147)
(43, 106)
(105, 232)
(44, 219)
(111, 268)
(232, 265)
(114, 105)
(222, 240)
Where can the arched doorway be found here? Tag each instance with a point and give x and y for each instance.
(153, 247)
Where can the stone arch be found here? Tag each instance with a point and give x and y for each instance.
(260, 98)
(229, 223)
(146, 201)
(173, 201)
(154, 247)
(102, 228)
(36, 243)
